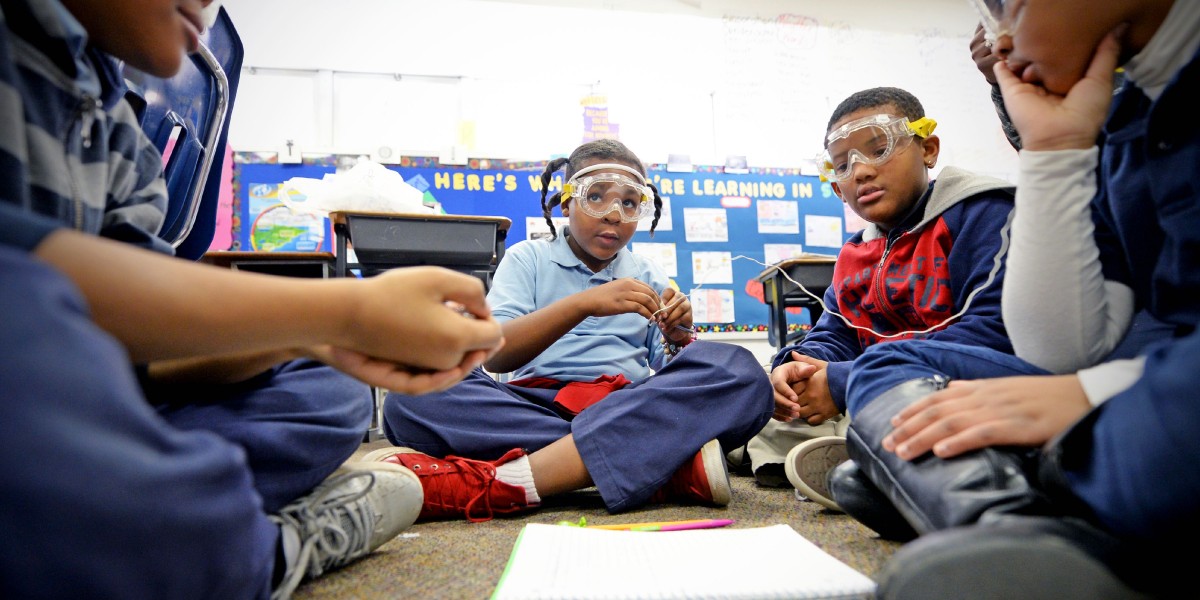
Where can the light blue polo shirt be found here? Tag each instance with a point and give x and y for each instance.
(537, 273)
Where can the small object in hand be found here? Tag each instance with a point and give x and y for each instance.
(460, 309)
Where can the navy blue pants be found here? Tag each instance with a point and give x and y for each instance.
(103, 496)
(631, 441)
(884, 366)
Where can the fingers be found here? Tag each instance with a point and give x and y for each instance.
(483, 334)
(783, 390)
(677, 323)
(785, 409)
(672, 307)
(1104, 62)
(789, 374)
(1005, 78)
(466, 291)
(642, 295)
(960, 418)
(981, 53)
(400, 378)
(924, 422)
(815, 363)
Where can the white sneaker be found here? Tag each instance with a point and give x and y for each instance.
(357, 509)
(807, 467)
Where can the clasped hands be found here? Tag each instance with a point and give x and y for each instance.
(801, 391)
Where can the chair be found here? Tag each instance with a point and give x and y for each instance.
(187, 118)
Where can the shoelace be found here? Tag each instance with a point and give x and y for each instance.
(485, 472)
(320, 519)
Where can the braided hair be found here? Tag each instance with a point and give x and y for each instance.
(609, 150)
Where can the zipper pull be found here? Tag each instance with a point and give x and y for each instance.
(87, 117)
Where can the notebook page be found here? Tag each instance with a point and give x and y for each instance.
(561, 563)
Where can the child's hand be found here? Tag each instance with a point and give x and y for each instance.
(982, 54)
(1048, 121)
(397, 377)
(416, 320)
(675, 313)
(1006, 411)
(619, 297)
(788, 381)
(815, 403)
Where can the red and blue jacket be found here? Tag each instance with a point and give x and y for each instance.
(936, 276)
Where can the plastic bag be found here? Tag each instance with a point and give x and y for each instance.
(367, 187)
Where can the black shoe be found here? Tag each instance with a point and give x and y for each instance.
(859, 498)
(1010, 557)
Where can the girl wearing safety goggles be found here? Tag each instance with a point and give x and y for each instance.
(603, 391)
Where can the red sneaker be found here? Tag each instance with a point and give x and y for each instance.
(458, 487)
(702, 480)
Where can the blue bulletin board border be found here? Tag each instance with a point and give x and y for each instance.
(512, 189)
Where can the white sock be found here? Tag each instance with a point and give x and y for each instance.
(517, 472)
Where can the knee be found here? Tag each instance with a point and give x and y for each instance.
(738, 362)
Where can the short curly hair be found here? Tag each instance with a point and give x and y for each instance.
(905, 102)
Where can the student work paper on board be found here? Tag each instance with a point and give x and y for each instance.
(560, 563)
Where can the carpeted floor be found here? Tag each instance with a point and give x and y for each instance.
(456, 559)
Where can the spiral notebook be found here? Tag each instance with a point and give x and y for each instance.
(564, 563)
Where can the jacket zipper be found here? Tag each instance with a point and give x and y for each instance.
(877, 284)
(85, 118)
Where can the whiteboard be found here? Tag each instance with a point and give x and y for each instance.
(505, 79)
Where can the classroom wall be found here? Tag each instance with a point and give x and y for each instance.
(458, 78)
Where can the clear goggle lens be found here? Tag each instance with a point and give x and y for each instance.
(599, 195)
(872, 140)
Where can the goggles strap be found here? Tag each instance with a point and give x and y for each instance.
(584, 171)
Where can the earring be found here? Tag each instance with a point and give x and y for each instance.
(929, 165)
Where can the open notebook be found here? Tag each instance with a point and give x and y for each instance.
(561, 563)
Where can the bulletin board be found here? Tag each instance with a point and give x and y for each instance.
(716, 235)
(262, 223)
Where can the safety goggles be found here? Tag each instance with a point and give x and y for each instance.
(870, 140)
(991, 16)
(600, 194)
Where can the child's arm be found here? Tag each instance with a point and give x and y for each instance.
(386, 330)
(529, 335)
(976, 272)
(230, 368)
(1054, 242)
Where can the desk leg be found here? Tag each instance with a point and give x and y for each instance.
(339, 232)
(777, 314)
(375, 430)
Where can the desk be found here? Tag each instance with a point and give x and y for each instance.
(289, 264)
(465, 243)
(381, 241)
(813, 271)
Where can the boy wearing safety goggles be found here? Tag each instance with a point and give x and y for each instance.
(586, 322)
(928, 266)
(1107, 223)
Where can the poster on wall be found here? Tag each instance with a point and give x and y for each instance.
(263, 223)
(276, 228)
